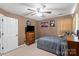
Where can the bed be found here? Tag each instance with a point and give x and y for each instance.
(53, 44)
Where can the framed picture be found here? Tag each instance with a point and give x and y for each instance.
(52, 23)
(28, 23)
(44, 24)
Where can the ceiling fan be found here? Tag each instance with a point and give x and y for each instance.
(38, 11)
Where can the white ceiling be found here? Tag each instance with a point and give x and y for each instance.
(58, 9)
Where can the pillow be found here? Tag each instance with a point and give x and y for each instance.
(64, 37)
(61, 35)
(75, 38)
(68, 33)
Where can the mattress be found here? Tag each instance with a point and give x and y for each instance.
(53, 44)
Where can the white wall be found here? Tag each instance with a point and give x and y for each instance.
(77, 22)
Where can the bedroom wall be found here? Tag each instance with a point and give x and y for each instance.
(21, 25)
(77, 9)
(59, 26)
(64, 24)
(46, 31)
(76, 19)
(33, 23)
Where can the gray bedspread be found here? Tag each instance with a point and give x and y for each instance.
(53, 44)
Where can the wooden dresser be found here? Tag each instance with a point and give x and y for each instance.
(73, 46)
(30, 38)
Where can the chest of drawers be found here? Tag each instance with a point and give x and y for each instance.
(30, 37)
(73, 46)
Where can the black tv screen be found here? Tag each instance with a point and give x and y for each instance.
(29, 28)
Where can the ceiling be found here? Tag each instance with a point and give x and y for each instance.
(58, 9)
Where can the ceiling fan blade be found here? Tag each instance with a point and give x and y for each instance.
(33, 14)
(49, 12)
(30, 9)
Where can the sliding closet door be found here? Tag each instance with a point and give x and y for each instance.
(0, 33)
(10, 34)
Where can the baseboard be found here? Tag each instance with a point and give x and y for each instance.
(21, 45)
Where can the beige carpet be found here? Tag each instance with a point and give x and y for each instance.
(31, 50)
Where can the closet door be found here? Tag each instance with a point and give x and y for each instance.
(10, 34)
(0, 32)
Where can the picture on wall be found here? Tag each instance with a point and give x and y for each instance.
(44, 24)
(28, 23)
(52, 23)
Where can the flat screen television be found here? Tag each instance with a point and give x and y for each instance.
(29, 29)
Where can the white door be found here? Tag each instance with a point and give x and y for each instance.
(0, 34)
(10, 34)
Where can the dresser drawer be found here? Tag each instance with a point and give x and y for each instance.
(73, 48)
(30, 37)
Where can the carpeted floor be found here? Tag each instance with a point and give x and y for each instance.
(31, 50)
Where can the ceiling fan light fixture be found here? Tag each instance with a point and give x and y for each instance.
(39, 14)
